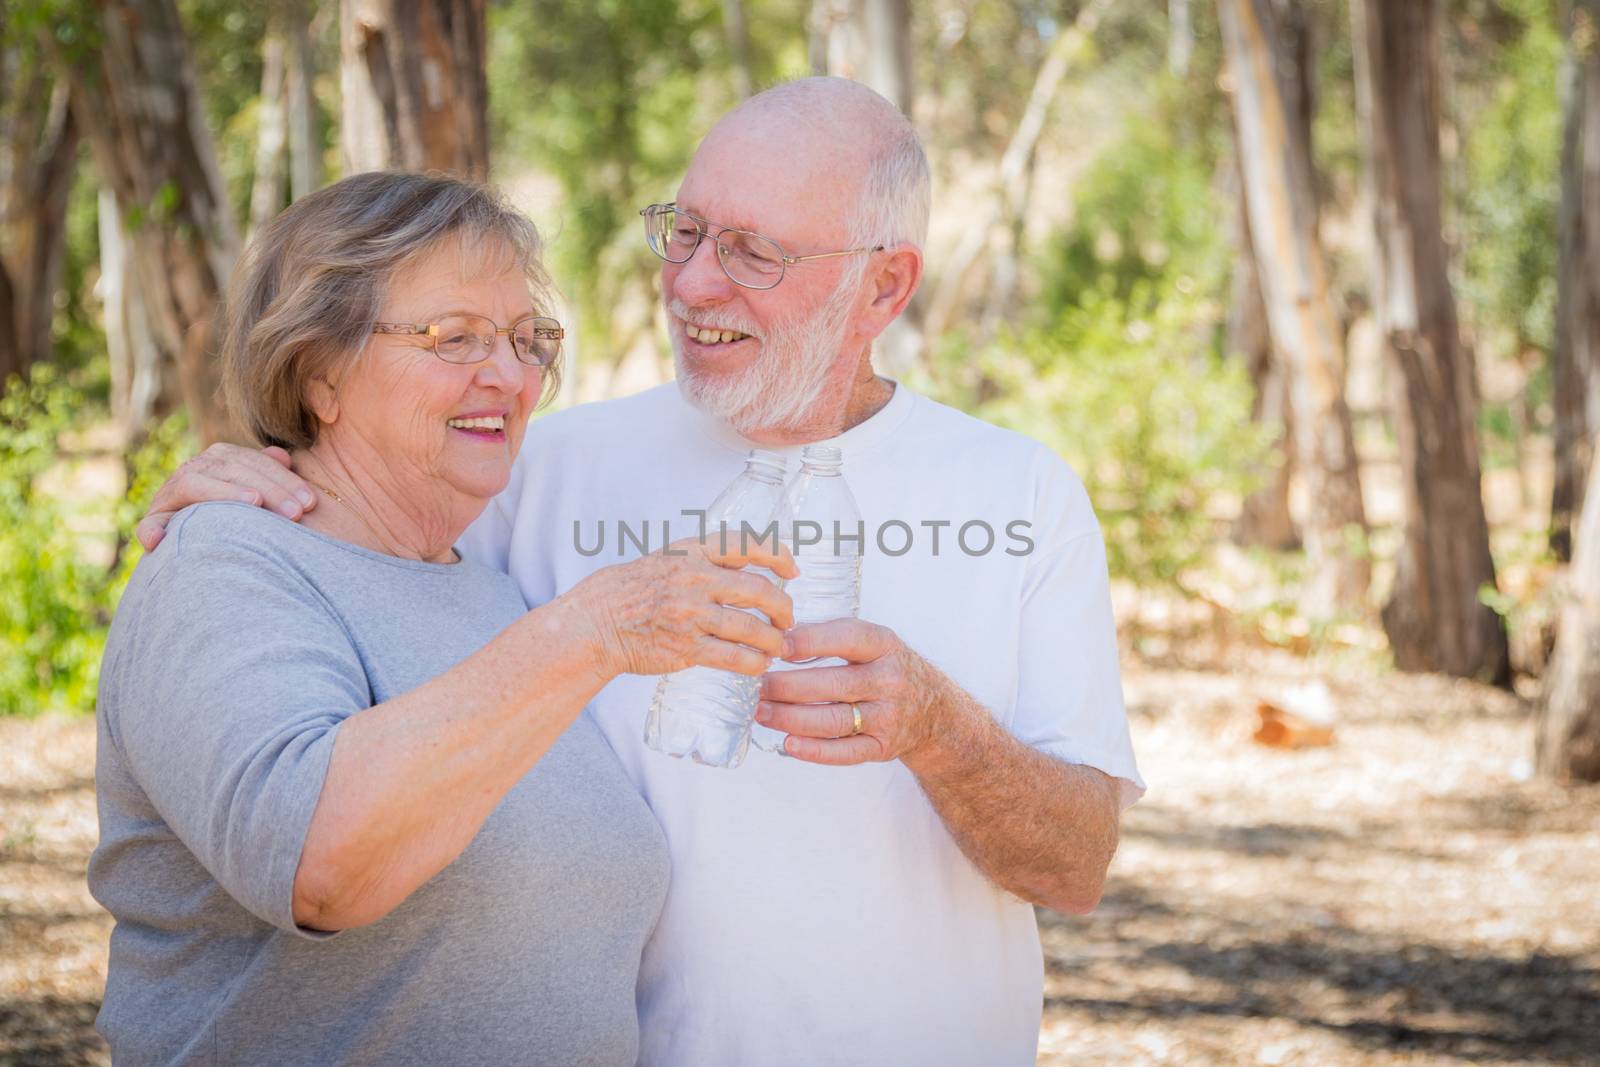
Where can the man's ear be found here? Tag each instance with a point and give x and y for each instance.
(323, 400)
(895, 277)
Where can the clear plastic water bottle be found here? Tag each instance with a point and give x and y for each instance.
(819, 520)
(703, 712)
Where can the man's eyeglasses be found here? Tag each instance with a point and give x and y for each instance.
(747, 258)
(536, 340)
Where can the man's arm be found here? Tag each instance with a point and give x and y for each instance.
(1042, 828)
(1036, 826)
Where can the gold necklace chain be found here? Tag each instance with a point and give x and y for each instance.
(382, 544)
(330, 492)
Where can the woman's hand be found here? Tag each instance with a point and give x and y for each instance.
(679, 608)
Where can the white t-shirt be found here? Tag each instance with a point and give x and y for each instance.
(822, 915)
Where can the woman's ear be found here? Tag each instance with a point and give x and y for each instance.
(323, 400)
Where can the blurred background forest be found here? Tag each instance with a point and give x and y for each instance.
(1293, 284)
(1305, 290)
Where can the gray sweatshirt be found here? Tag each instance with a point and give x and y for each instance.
(240, 646)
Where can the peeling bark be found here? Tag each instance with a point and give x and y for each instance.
(1576, 359)
(141, 109)
(1282, 207)
(1434, 617)
(415, 90)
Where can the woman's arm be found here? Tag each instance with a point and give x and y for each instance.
(411, 780)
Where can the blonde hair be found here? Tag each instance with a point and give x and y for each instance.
(306, 293)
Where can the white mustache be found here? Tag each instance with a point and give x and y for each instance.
(694, 318)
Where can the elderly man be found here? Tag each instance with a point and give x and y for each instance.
(878, 913)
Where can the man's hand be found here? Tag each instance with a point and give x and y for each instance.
(1042, 828)
(899, 694)
(228, 472)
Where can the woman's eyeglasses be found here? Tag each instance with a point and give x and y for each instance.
(536, 340)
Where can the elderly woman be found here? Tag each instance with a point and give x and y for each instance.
(350, 808)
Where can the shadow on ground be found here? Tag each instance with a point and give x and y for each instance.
(50, 1032)
(1156, 951)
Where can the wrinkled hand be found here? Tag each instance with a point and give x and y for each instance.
(228, 472)
(680, 608)
(897, 691)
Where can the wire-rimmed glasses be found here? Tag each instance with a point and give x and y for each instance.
(746, 257)
(535, 340)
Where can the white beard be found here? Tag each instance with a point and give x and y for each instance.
(781, 386)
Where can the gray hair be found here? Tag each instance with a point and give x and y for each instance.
(306, 293)
(896, 194)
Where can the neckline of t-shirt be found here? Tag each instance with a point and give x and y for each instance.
(346, 546)
(857, 441)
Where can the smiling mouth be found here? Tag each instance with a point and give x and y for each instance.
(706, 335)
(493, 426)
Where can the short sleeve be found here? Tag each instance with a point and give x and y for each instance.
(226, 689)
(1069, 692)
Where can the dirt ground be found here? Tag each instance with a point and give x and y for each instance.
(1405, 896)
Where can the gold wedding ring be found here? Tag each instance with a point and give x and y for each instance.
(855, 727)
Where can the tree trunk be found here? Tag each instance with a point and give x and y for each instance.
(1005, 271)
(1010, 186)
(414, 86)
(142, 375)
(41, 162)
(868, 41)
(1180, 37)
(733, 21)
(144, 119)
(10, 358)
(1264, 519)
(300, 107)
(819, 31)
(266, 191)
(1576, 359)
(56, 165)
(886, 29)
(1568, 743)
(1434, 618)
(18, 86)
(1298, 79)
(1281, 198)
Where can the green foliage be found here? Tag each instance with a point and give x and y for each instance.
(50, 619)
(1507, 193)
(57, 607)
(1134, 395)
(169, 443)
(610, 98)
(1511, 189)
(1145, 210)
(1529, 594)
(1335, 133)
(79, 339)
(1122, 372)
(601, 96)
(71, 27)
(225, 46)
(986, 56)
(980, 59)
